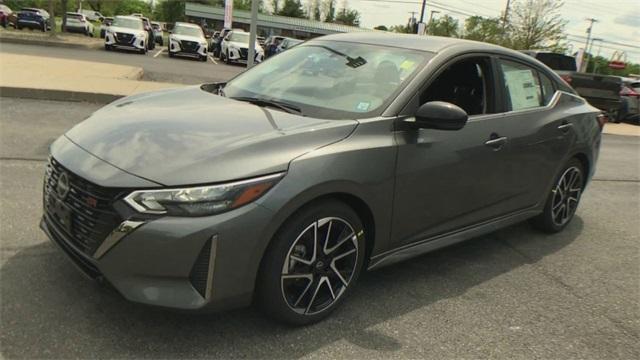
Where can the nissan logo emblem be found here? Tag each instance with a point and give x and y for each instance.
(62, 187)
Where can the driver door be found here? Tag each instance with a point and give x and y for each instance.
(447, 180)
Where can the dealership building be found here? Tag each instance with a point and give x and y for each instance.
(212, 18)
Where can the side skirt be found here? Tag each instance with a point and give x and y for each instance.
(440, 241)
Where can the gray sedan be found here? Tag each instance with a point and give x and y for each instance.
(343, 154)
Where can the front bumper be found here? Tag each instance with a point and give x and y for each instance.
(200, 264)
(241, 55)
(187, 48)
(132, 43)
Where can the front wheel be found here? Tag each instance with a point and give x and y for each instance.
(312, 263)
(563, 200)
(226, 58)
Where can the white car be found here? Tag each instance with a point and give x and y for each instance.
(92, 15)
(78, 23)
(188, 40)
(235, 48)
(126, 32)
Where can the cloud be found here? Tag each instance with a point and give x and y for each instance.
(632, 20)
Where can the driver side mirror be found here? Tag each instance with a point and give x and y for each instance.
(440, 115)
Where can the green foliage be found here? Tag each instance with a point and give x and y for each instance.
(536, 24)
(329, 10)
(348, 17)
(443, 26)
(169, 11)
(292, 8)
(484, 29)
(600, 65)
(403, 29)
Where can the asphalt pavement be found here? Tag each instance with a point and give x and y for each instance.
(513, 294)
(156, 63)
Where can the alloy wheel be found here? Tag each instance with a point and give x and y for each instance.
(319, 265)
(566, 196)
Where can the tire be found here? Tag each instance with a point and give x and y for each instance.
(316, 289)
(170, 53)
(203, 58)
(107, 47)
(226, 58)
(563, 200)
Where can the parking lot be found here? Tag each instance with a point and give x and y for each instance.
(156, 64)
(515, 293)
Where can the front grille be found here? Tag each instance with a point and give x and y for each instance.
(190, 46)
(200, 270)
(123, 38)
(84, 215)
(244, 53)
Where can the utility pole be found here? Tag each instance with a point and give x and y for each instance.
(52, 19)
(583, 66)
(253, 33)
(431, 19)
(506, 15)
(424, 4)
(595, 68)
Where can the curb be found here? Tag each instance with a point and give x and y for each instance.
(54, 43)
(57, 95)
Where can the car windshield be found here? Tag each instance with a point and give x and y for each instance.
(331, 80)
(127, 23)
(187, 31)
(239, 37)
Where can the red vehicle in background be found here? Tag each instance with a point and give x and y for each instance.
(7, 16)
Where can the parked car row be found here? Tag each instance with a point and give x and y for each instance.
(615, 95)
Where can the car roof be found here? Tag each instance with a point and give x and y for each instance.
(186, 24)
(414, 42)
(128, 17)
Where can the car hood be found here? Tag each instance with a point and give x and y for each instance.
(242, 45)
(126, 30)
(188, 38)
(190, 136)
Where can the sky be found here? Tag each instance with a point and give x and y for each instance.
(618, 21)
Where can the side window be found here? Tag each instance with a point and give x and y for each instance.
(547, 89)
(521, 86)
(467, 83)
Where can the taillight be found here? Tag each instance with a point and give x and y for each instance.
(627, 91)
(602, 119)
(566, 78)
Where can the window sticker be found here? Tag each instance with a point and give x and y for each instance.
(363, 106)
(523, 90)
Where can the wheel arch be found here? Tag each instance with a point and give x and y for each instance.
(586, 165)
(349, 198)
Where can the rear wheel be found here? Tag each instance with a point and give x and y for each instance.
(563, 200)
(312, 263)
(107, 47)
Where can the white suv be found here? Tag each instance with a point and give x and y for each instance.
(78, 23)
(188, 40)
(235, 48)
(126, 32)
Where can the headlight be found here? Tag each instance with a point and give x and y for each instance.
(201, 200)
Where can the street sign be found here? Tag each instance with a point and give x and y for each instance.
(617, 64)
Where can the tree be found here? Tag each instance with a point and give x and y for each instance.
(381, 27)
(329, 10)
(52, 19)
(443, 26)
(292, 8)
(275, 5)
(314, 10)
(348, 16)
(404, 29)
(536, 24)
(485, 29)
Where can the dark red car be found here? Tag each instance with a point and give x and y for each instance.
(7, 16)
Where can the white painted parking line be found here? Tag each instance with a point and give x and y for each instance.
(212, 59)
(158, 53)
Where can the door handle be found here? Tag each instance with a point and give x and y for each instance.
(565, 126)
(496, 142)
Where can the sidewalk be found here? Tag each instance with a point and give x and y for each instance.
(70, 80)
(621, 129)
(44, 39)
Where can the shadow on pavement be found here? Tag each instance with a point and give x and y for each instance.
(50, 310)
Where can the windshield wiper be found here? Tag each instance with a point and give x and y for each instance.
(286, 107)
(351, 62)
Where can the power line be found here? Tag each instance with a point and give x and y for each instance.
(436, 5)
(608, 41)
